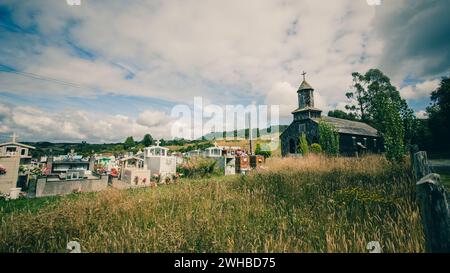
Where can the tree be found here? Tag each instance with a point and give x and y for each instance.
(259, 151)
(138, 147)
(439, 115)
(341, 114)
(129, 142)
(379, 103)
(328, 138)
(393, 133)
(147, 140)
(303, 144)
(423, 136)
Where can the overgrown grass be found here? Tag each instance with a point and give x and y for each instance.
(445, 180)
(314, 204)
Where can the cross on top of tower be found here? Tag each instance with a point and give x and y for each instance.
(14, 137)
(304, 75)
(158, 142)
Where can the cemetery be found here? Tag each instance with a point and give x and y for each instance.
(183, 129)
(74, 173)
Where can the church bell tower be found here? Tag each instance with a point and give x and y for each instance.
(305, 94)
(306, 107)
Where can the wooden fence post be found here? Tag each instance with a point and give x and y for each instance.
(420, 165)
(434, 209)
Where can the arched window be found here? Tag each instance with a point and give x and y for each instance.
(292, 148)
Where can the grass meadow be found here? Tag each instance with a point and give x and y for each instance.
(313, 204)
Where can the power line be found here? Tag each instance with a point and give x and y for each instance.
(45, 78)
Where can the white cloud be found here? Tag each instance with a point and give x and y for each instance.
(420, 90)
(228, 52)
(421, 114)
(284, 95)
(34, 124)
(153, 118)
(178, 48)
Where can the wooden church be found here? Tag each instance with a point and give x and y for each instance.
(354, 137)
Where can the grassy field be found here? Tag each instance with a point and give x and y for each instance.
(315, 204)
(445, 180)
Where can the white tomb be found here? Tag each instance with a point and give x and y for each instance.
(194, 153)
(213, 152)
(157, 160)
(133, 171)
(225, 161)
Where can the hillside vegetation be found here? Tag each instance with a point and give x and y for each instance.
(315, 204)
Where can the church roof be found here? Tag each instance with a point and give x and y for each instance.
(16, 144)
(305, 86)
(306, 109)
(349, 127)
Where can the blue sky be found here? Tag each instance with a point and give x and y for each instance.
(108, 69)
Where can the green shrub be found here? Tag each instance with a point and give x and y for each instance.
(303, 145)
(329, 138)
(259, 151)
(316, 148)
(197, 167)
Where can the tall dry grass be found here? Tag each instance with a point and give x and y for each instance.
(313, 204)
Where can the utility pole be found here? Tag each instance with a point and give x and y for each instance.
(250, 133)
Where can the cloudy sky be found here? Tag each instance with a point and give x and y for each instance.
(107, 69)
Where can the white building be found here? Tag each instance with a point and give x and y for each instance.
(157, 160)
(12, 156)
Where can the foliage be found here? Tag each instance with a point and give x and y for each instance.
(138, 147)
(314, 204)
(36, 171)
(196, 146)
(129, 142)
(22, 168)
(147, 140)
(197, 167)
(87, 149)
(439, 115)
(393, 131)
(303, 144)
(423, 136)
(342, 115)
(328, 138)
(315, 148)
(259, 151)
(379, 103)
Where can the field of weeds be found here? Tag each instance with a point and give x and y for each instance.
(313, 204)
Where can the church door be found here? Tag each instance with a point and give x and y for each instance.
(292, 148)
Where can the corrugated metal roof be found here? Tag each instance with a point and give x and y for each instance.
(350, 127)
